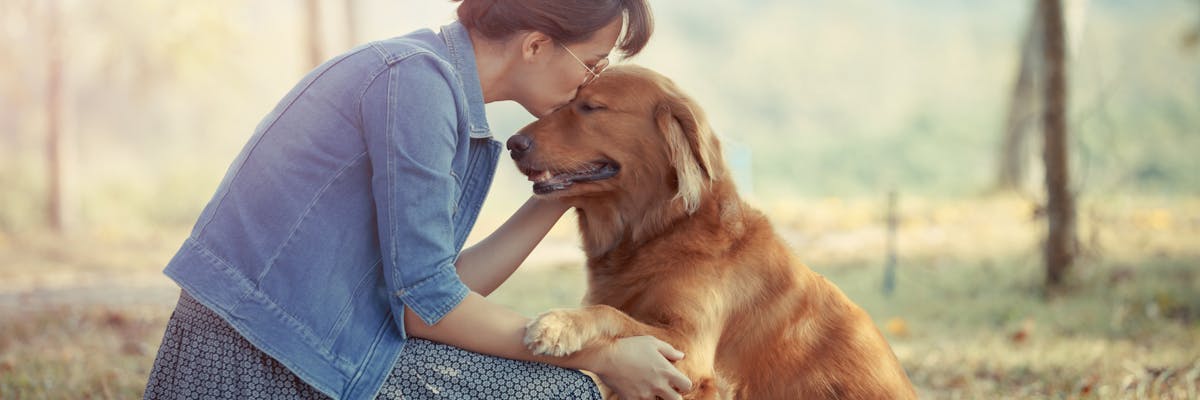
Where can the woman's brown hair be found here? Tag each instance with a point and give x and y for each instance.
(567, 21)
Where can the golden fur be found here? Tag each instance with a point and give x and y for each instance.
(673, 252)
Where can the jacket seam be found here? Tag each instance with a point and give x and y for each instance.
(379, 333)
(343, 314)
(242, 165)
(390, 161)
(304, 216)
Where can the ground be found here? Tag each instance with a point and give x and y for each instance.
(81, 316)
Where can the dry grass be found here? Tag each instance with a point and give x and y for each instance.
(968, 319)
(78, 352)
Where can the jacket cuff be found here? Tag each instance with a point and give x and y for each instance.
(432, 298)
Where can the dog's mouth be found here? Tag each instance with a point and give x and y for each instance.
(548, 181)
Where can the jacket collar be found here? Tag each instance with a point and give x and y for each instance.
(462, 55)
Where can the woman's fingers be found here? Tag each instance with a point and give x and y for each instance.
(671, 353)
(637, 372)
(668, 394)
(680, 382)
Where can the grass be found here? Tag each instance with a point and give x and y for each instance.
(78, 351)
(981, 331)
(968, 319)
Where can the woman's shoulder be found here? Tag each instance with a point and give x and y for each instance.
(419, 55)
(422, 43)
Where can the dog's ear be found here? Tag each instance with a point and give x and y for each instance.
(692, 148)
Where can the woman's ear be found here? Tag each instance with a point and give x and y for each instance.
(535, 44)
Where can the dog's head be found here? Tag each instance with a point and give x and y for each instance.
(630, 137)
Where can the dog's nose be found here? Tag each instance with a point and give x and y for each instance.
(518, 145)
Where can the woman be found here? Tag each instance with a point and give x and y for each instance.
(333, 242)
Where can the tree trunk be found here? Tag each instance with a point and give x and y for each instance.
(889, 267)
(56, 209)
(1022, 107)
(1191, 37)
(312, 28)
(1074, 19)
(1060, 206)
(351, 23)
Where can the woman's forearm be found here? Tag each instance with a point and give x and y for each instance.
(484, 327)
(481, 326)
(639, 364)
(484, 266)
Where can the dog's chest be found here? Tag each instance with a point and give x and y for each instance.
(638, 286)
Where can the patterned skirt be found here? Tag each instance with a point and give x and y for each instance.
(203, 357)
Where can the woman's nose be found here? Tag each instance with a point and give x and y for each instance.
(518, 145)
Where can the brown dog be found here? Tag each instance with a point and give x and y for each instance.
(673, 252)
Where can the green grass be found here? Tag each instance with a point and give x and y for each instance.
(985, 329)
(969, 318)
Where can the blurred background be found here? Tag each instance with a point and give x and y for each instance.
(897, 145)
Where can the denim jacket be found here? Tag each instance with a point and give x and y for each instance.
(351, 201)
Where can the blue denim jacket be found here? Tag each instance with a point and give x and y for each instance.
(351, 200)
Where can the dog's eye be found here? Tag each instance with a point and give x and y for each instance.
(585, 107)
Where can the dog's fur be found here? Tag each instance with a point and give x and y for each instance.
(673, 252)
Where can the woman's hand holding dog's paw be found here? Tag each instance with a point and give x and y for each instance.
(635, 367)
(642, 368)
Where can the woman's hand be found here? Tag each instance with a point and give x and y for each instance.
(639, 367)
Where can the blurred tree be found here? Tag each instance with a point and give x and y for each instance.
(1191, 37)
(889, 267)
(85, 81)
(16, 88)
(1025, 103)
(1023, 107)
(312, 30)
(351, 8)
(1060, 204)
(58, 212)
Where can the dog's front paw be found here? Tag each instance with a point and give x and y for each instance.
(555, 333)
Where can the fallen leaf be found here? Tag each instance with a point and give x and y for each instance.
(897, 327)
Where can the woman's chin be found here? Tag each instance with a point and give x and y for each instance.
(543, 111)
(538, 112)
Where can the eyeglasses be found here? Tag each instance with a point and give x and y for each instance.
(593, 72)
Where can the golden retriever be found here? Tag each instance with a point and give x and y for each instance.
(673, 252)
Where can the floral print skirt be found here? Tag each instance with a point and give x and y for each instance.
(203, 357)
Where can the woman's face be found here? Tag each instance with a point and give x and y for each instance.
(552, 74)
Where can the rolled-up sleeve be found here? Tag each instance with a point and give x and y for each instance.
(410, 125)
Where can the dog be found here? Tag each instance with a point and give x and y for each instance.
(674, 252)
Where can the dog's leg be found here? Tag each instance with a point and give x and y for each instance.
(565, 331)
(562, 332)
